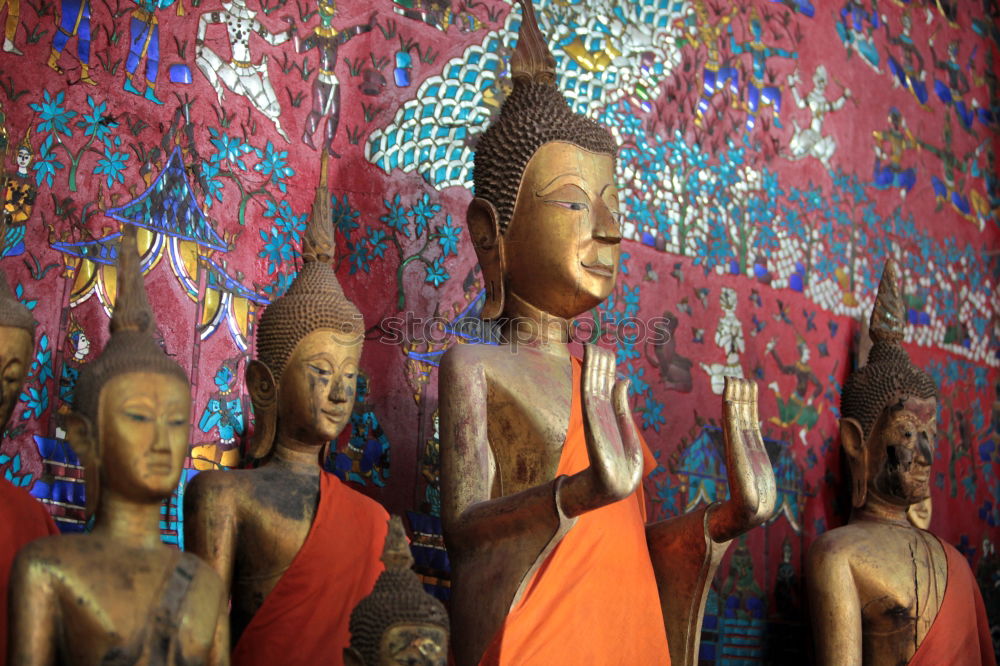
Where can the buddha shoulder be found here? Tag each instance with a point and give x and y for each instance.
(464, 361)
(209, 488)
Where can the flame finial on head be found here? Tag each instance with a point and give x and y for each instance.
(131, 347)
(888, 313)
(532, 60)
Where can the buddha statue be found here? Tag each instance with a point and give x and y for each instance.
(543, 510)
(118, 595)
(296, 548)
(882, 590)
(398, 624)
(24, 517)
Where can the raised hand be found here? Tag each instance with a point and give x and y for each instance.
(612, 440)
(752, 490)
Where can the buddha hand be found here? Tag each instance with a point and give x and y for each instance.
(752, 490)
(612, 440)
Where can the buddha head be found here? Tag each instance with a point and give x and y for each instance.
(131, 411)
(398, 623)
(303, 381)
(545, 221)
(17, 340)
(888, 408)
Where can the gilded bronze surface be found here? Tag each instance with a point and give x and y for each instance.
(549, 251)
(876, 584)
(17, 341)
(118, 595)
(398, 624)
(250, 524)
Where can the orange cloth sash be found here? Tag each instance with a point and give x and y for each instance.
(960, 634)
(594, 600)
(304, 620)
(22, 519)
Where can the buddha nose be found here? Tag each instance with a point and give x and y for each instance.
(924, 442)
(606, 226)
(339, 390)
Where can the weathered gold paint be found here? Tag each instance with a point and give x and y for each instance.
(505, 409)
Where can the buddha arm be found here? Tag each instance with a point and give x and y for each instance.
(219, 656)
(471, 518)
(210, 524)
(834, 607)
(33, 612)
(686, 550)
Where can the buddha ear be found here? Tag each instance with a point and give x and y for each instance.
(352, 657)
(852, 440)
(484, 229)
(263, 391)
(81, 436)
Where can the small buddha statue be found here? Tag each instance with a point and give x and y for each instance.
(398, 624)
(543, 510)
(24, 519)
(883, 591)
(118, 595)
(296, 548)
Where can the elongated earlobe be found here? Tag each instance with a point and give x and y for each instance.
(264, 396)
(484, 228)
(857, 457)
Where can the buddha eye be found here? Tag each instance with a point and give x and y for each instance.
(319, 371)
(572, 205)
(137, 417)
(907, 434)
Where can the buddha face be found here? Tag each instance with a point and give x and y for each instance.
(15, 357)
(562, 245)
(143, 427)
(417, 644)
(317, 388)
(902, 450)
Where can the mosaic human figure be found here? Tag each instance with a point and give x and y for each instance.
(74, 21)
(729, 337)
(144, 42)
(758, 90)
(855, 27)
(19, 194)
(798, 409)
(908, 70)
(367, 455)
(955, 87)
(240, 74)
(810, 141)
(326, 86)
(891, 145)
(224, 410)
(714, 74)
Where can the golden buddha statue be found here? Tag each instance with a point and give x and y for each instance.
(543, 509)
(118, 595)
(24, 517)
(883, 591)
(398, 624)
(296, 547)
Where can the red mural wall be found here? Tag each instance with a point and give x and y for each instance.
(773, 155)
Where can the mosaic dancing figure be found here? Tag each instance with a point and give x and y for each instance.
(855, 35)
(957, 85)
(240, 74)
(19, 195)
(809, 141)
(758, 91)
(729, 337)
(326, 86)
(909, 69)
(74, 19)
(144, 42)
(714, 74)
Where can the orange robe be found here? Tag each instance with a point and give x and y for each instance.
(304, 619)
(22, 519)
(960, 634)
(594, 600)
